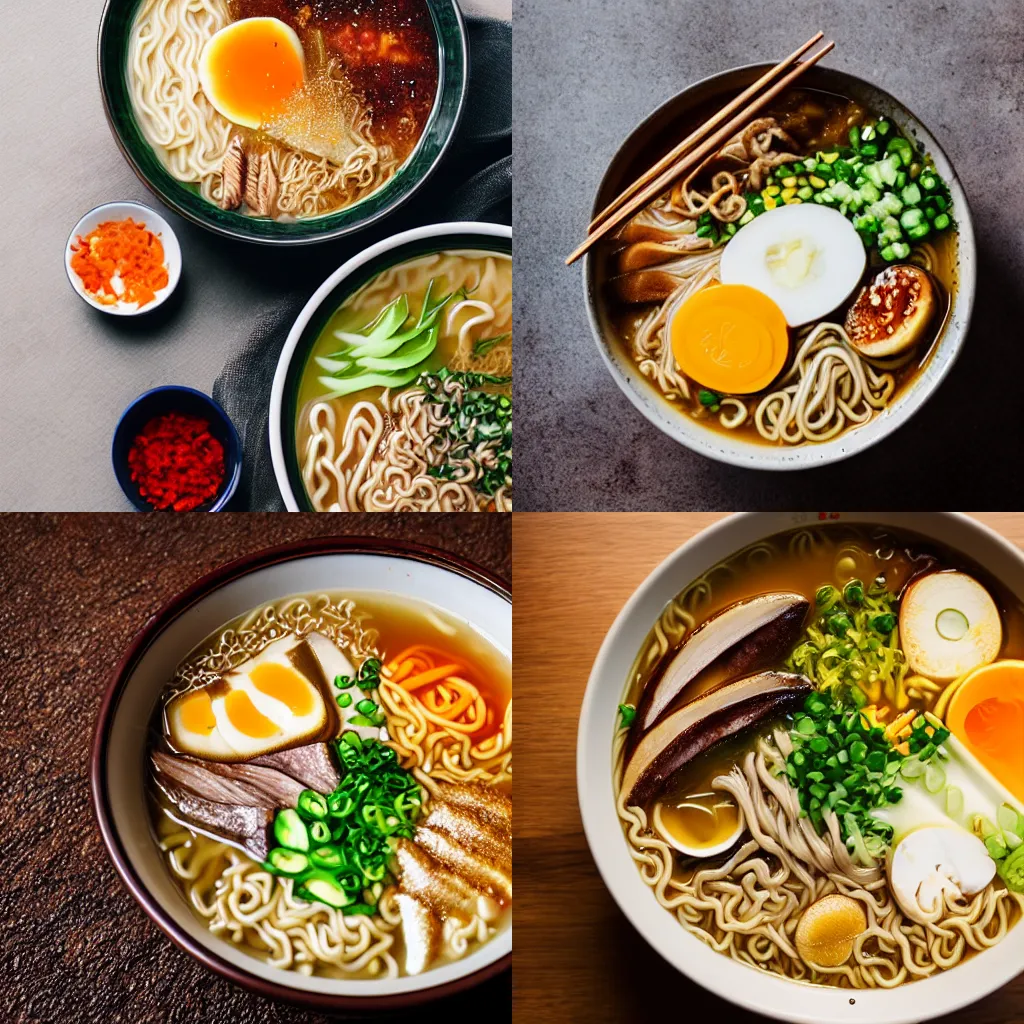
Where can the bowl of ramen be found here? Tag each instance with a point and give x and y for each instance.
(839, 243)
(393, 391)
(801, 763)
(302, 771)
(282, 121)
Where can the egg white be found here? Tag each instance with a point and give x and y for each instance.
(837, 266)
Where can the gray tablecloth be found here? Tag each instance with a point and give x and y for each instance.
(67, 371)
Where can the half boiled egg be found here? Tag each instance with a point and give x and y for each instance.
(272, 701)
(730, 338)
(250, 67)
(806, 258)
(949, 624)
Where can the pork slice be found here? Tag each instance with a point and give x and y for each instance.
(312, 765)
(247, 828)
(243, 784)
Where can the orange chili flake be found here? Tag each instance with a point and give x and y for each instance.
(121, 251)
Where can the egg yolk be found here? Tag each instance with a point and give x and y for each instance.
(252, 67)
(283, 684)
(730, 338)
(987, 713)
(245, 716)
(196, 713)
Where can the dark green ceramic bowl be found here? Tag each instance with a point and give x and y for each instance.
(115, 27)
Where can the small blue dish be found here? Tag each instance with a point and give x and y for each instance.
(188, 401)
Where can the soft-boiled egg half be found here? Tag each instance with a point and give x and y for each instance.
(272, 701)
(730, 338)
(250, 67)
(806, 258)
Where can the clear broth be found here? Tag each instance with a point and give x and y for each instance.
(400, 623)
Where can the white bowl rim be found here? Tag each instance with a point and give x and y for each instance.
(487, 962)
(172, 256)
(768, 994)
(482, 228)
(750, 454)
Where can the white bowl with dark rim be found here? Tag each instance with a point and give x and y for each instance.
(719, 444)
(757, 990)
(347, 279)
(118, 765)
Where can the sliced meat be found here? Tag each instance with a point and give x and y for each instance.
(445, 892)
(240, 783)
(312, 765)
(421, 931)
(468, 831)
(477, 870)
(487, 803)
(247, 828)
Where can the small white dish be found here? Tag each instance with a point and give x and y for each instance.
(152, 220)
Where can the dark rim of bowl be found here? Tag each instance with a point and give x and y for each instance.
(326, 309)
(723, 82)
(438, 132)
(138, 646)
(230, 484)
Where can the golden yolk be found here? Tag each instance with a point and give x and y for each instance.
(730, 338)
(283, 684)
(250, 68)
(828, 929)
(987, 713)
(196, 713)
(997, 727)
(245, 716)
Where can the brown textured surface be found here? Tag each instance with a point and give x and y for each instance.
(577, 957)
(73, 590)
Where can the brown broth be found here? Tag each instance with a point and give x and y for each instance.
(388, 50)
(800, 560)
(817, 120)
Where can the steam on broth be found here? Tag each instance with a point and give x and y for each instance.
(832, 287)
(372, 840)
(802, 734)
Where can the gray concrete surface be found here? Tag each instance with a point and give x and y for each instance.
(66, 370)
(586, 72)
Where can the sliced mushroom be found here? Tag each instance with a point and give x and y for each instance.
(949, 624)
(699, 725)
(744, 637)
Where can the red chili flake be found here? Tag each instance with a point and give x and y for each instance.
(176, 462)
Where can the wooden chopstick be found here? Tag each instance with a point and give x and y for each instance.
(666, 178)
(694, 137)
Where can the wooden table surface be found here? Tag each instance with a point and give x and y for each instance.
(74, 947)
(576, 957)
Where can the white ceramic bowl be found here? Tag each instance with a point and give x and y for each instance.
(140, 214)
(281, 433)
(118, 758)
(720, 445)
(756, 990)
